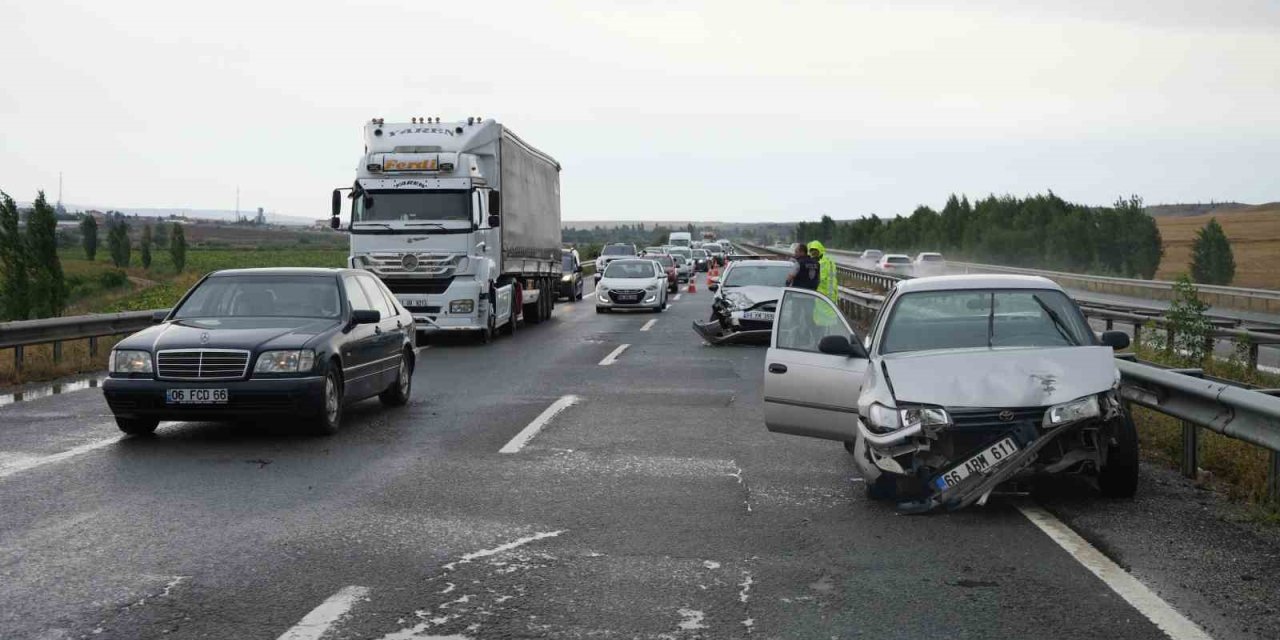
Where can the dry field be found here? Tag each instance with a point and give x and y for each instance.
(1255, 241)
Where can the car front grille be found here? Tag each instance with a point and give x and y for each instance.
(634, 296)
(995, 418)
(202, 364)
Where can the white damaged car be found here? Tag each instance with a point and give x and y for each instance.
(964, 384)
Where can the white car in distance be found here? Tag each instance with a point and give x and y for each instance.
(929, 263)
(632, 283)
(895, 263)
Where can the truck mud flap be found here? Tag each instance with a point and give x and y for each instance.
(715, 335)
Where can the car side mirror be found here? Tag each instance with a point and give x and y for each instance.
(159, 315)
(1117, 340)
(365, 316)
(495, 204)
(494, 221)
(713, 286)
(840, 346)
(337, 203)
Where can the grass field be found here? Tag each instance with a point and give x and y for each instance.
(1255, 241)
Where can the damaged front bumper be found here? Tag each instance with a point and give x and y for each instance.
(714, 333)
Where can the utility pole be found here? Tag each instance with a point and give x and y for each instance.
(238, 204)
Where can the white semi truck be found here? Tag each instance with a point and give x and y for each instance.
(461, 220)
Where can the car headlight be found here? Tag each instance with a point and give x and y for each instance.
(568, 277)
(882, 419)
(602, 288)
(1078, 409)
(285, 361)
(129, 361)
(651, 288)
(462, 306)
(924, 416)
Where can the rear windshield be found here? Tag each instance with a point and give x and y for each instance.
(263, 296)
(966, 319)
(665, 261)
(871, 254)
(629, 269)
(566, 262)
(619, 250)
(699, 253)
(768, 275)
(898, 260)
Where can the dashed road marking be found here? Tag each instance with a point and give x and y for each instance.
(526, 434)
(677, 297)
(613, 355)
(322, 618)
(648, 325)
(1142, 598)
(27, 464)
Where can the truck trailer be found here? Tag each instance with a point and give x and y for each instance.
(461, 220)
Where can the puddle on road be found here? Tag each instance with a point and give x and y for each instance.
(34, 392)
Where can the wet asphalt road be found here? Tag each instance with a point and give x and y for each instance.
(657, 506)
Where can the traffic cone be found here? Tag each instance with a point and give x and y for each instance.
(692, 287)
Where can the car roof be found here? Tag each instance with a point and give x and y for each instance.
(928, 253)
(284, 271)
(976, 281)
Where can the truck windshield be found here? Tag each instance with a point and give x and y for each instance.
(410, 206)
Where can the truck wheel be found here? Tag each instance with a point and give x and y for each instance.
(1118, 477)
(548, 295)
(137, 426)
(486, 334)
(533, 312)
(510, 329)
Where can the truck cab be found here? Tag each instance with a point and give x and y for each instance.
(461, 220)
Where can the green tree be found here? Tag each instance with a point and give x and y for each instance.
(146, 246)
(15, 299)
(160, 237)
(48, 288)
(89, 237)
(178, 248)
(118, 243)
(1211, 259)
(1190, 331)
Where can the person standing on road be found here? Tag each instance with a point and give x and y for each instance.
(805, 273)
(826, 271)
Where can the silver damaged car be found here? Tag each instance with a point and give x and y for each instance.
(964, 384)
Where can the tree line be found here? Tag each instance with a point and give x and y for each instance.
(1042, 231)
(32, 283)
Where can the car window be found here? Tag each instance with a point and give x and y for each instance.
(666, 261)
(375, 296)
(263, 296)
(355, 295)
(965, 319)
(806, 320)
(619, 250)
(629, 269)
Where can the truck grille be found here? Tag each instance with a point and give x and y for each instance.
(434, 265)
(202, 364)
(418, 285)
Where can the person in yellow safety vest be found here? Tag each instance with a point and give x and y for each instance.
(822, 314)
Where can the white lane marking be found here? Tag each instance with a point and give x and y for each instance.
(691, 619)
(648, 325)
(613, 355)
(1142, 598)
(323, 617)
(526, 434)
(677, 297)
(31, 463)
(518, 542)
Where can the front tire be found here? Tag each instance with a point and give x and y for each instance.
(137, 426)
(330, 419)
(1118, 477)
(397, 395)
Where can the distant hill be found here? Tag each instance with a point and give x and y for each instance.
(1196, 209)
(228, 215)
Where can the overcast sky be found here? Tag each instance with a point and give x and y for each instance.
(656, 110)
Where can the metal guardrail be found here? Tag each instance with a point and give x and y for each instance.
(24, 333)
(1224, 328)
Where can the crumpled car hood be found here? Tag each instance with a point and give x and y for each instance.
(990, 378)
(754, 293)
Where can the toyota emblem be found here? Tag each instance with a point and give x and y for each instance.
(409, 262)
(1006, 416)
(204, 338)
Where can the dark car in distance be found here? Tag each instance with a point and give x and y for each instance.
(571, 281)
(244, 344)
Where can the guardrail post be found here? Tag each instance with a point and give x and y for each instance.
(57, 351)
(1253, 355)
(1190, 449)
(1137, 333)
(1273, 480)
(1168, 339)
(17, 359)
(1110, 324)
(93, 347)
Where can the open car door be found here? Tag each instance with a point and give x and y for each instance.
(808, 392)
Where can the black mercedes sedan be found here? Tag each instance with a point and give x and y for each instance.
(244, 344)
